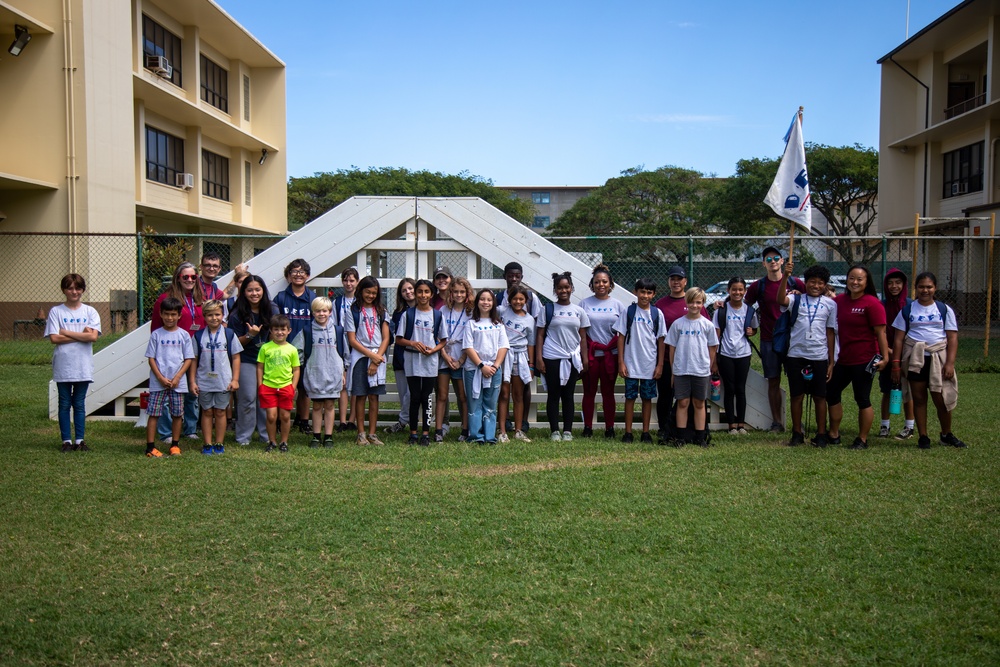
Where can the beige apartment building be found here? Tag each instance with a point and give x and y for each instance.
(940, 123)
(123, 114)
(550, 201)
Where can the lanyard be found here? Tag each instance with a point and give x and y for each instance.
(207, 288)
(212, 345)
(811, 312)
(190, 305)
(369, 324)
(453, 328)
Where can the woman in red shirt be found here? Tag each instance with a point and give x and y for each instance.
(861, 333)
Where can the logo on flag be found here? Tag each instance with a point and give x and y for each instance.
(789, 193)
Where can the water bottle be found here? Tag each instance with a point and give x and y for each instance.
(895, 401)
(716, 387)
(807, 373)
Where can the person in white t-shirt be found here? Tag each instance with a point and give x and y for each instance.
(735, 321)
(693, 344)
(640, 355)
(73, 327)
(602, 349)
(560, 346)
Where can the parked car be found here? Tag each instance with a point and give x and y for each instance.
(717, 292)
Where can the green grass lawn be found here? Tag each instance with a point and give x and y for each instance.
(577, 553)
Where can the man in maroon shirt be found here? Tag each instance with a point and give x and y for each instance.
(764, 294)
(211, 265)
(673, 306)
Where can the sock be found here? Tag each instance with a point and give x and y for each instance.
(885, 422)
(909, 423)
(149, 447)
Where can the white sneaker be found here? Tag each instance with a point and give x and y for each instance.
(567, 436)
(742, 431)
(734, 431)
(905, 434)
(884, 431)
(519, 435)
(503, 438)
(556, 436)
(243, 444)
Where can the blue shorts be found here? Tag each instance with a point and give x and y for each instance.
(359, 380)
(644, 389)
(769, 358)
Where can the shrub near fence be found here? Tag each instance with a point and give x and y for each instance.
(121, 267)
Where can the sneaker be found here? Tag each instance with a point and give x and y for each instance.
(243, 444)
(328, 442)
(777, 428)
(207, 450)
(361, 439)
(884, 431)
(627, 437)
(395, 428)
(556, 436)
(462, 437)
(503, 438)
(950, 440)
(797, 439)
(218, 449)
(175, 450)
(609, 433)
(832, 440)
(859, 444)
(567, 436)
(315, 442)
(439, 435)
(192, 436)
(820, 440)
(519, 435)
(167, 440)
(67, 447)
(905, 434)
(646, 437)
(923, 442)
(734, 431)
(446, 428)
(373, 439)
(701, 439)
(588, 432)
(271, 446)
(81, 447)
(305, 426)
(283, 448)
(425, 440)
(154, 453)
(742, 431)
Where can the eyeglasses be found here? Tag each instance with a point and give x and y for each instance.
(211, 266)
(298, 272)
(776, 258)
(192, 278)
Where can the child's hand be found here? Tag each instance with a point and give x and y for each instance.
(749, 331)
(377, 358)
(657, 372)
(373, 368)
(233, 386)
(622, 370)
(489, 371)
(194, 388)
(454, 364)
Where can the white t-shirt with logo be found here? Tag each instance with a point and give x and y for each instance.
(641, 346)
(808, 336)
(72, 362)
(734, 343)
(925, 323)
(562, 334)
(691, 340)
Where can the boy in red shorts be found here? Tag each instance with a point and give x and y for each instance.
(277, 377)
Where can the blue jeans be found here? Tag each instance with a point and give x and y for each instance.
(483, 410)
(72, 395)
(191, 414)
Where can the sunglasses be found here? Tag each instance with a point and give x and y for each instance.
(776, 258)
(192, 278)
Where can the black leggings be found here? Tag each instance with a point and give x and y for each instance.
(560, 393)
(665, 399)
(420, 392)
(734, 372)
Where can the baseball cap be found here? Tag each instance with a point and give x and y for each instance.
(677, 271)
(442, 270)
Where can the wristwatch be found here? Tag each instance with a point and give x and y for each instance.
(481, 364)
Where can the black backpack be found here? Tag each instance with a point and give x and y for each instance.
(199, 335)
(630, 316)
(942, 309)
(411, 314)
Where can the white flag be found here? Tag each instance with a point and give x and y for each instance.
(789, 194)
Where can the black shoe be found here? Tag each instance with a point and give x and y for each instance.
(304, 426)
(833, 441)
(270, 447)
(646, 437)
(950, 440)
(820, 440)
(328, 442)
(859, 444)
(777, 428)
(68, 447)
(425, 441)
(797, 439)
(924, 442)
(588, 432)
(315, 442)
(609, 433)
(283, 447)
(627, 437)
(412, 440)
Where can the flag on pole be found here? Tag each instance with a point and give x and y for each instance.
(789, 194)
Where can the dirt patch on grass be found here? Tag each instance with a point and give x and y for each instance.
(539, 466)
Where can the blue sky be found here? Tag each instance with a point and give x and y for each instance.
(572, 93)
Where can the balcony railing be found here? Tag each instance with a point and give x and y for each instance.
(968, 105)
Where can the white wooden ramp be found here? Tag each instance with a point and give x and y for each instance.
(354, 233)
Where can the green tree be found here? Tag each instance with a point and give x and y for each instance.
(160, 258)
(669, 201)
(843, 182)
(311, 196)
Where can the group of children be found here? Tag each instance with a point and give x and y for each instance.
(278, 356)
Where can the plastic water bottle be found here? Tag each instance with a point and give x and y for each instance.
(807, 373)
(716, 387)
(895, 401)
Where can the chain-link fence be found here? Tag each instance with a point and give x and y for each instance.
(126, 272)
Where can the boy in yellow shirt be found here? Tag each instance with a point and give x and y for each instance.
(277, 377)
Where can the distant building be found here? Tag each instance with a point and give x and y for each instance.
(940, 107)
(550, 201)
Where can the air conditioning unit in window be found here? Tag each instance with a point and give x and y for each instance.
(160, 66)
(184, 181)
(959, 188)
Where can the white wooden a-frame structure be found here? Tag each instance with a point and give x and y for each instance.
(355, 233)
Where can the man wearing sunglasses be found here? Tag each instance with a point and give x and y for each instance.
(763, 293)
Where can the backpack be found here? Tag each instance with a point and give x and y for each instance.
(356, 313)
(307, 339)
(411, 315)
(338, 307)
(942, 309)
(782, 337)
(501, 296)
(630, 316)
(199, 335)
(751, 311)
